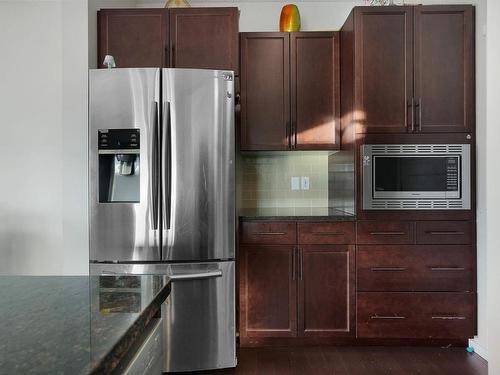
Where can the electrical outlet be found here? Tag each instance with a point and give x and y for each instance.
(295, 183)
(305, 182)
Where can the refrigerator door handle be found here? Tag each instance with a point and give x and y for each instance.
(196, 276)
(154, 170)
(167, 165)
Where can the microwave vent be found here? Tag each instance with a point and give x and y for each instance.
(416, 149)
(396, 204)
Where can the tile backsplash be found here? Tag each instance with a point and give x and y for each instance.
(265, 182)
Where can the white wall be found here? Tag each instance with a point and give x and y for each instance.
(43, 224)
(265, 15)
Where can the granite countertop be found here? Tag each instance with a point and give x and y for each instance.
(314, 214)
(74, 324)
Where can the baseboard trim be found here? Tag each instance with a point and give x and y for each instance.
(346, 341)
(478, 349)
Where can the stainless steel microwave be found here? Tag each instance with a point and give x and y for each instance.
(416, 176)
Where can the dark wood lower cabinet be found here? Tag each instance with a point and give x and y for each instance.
(306, 282)
(326, 298)
(268, 293)
(415, 315)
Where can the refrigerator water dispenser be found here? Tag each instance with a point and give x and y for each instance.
(119, 165)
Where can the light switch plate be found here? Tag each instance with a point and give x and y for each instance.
(295, 183)
(305, 182)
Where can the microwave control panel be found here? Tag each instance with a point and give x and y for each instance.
(452, 167)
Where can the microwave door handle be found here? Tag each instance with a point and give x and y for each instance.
(154, 169)
(167, 165)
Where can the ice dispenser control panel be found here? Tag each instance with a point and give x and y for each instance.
(119, 165)
(119, 139)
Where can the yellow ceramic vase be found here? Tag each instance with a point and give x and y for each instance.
(290, 18)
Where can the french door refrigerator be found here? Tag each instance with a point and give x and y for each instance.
(162, 192)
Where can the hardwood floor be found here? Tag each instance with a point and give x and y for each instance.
(356, 361)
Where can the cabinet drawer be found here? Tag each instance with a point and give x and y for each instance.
(416, 315)
(385, 232)
(446, 268)
(326, 233)
(268, 232)
(444, 232)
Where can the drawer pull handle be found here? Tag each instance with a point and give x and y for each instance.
(271, 233)
(447, 269)
(387, 233)
(445, 233)
(376, 269)
(449, 317)
(387, 317)
(328, 233)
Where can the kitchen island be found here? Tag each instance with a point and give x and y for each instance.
(76, 324)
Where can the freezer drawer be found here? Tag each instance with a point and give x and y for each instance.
(199, 321)
(199, 315)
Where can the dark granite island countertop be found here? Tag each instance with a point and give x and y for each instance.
(74, 324)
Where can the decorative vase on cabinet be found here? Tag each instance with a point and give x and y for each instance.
(290, 18)
(177, 4)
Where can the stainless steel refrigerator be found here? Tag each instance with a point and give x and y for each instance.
(162, 199)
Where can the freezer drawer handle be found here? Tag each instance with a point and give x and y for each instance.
(196, 276)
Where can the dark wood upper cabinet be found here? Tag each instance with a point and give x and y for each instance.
(265, 91)
(383, 69)
(412, 69)
(326, 297)
(136, 38)
(290, 95)
(268, 291)
(444, 68)
(204, 38)
(315, 87)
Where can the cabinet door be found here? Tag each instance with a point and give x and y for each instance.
(315, 90)
(444, 68)
(204, 38)
(383, 69)
(265, 91)
(136, 38)
(268, 291)
(326, 294)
